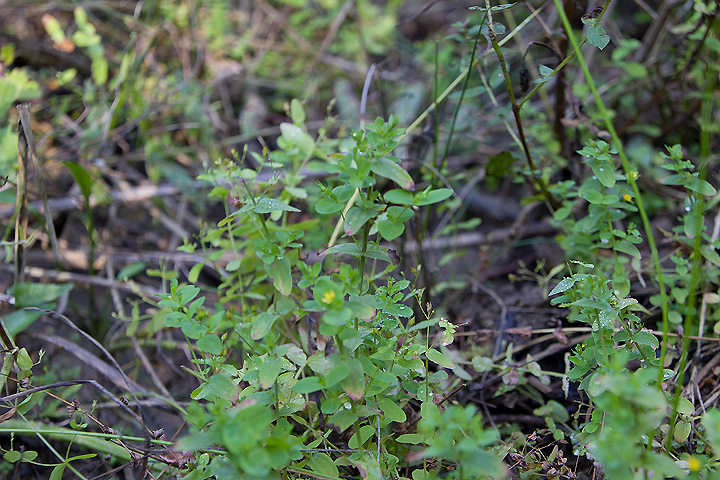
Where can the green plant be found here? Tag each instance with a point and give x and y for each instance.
(335, 365)
(319, 345)
(85, 37)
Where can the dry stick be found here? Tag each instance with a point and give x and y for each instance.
(88, 358)
(107, 354)
(129, 195)
(20, 208)
(69, 384)
(42, 273)
(552, 202)
(151, 371)
(27, 144)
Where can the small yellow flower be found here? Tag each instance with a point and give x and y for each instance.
(328, 297)
(632, 175)
(694, 464)
(627, 198)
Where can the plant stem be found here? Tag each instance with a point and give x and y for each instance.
(630, 176)
(539, 182)
(698, 209)
(361, 267)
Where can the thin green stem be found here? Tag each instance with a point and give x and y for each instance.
(462, 96)
(538, 86)
(259, 216)
(436, 86)
(697, 264)
(361, 267)
(421, 118)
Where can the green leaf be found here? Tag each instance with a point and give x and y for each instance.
(604, 172)
(327, 206)
(628, 248)
(99, 68)
(281, 274)
(700, 186)
(377, 252)
(12, 456)
(545, 71)
(188, 293)
(399, 214)
(692, 224)
(685, 406)
(129, 271)
(295, 135)
(436, 356)
(343, 418)
(262, 324)
(390, 230)
(710, 254)
(24, 362)
(307, 385)
(269, 370)
(81, 177)
(385, 167)
(19, 320)
(336, 375)
(414, 438)
(682, 431)
(495, 8)
(57, 472)
(220, 385)
(363, 307)
(297, 113)
(433, 196)
(322, 463)
(597, 37)
(635, 69)
(646, 338)
(194, 273)
(593, 196)
(356, 217)
(38, 294)
(398, 196)
(500, 165)
(337, 318)
(711, 422)
(391, 410)
(210, 343)
(675, 179)
(359, 438)
(330, 405)
(80, 17)
(354, 383)
(564, 285)
(269, 205)
(53, 28)
(482, 364)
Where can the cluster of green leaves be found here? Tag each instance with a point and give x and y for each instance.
(627, 408)
(85, 37)
(609, 199)
(699, 249)
(593, 302)
(324, 344)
